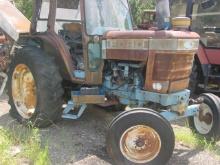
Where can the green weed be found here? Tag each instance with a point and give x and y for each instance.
(27, 140)
(193, 140)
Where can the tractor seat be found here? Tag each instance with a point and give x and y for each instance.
(72, 27)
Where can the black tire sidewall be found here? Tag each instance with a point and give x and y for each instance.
(42, 111)
(212, 101)
(148, 118)
(20, 59)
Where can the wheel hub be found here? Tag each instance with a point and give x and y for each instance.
(24, 91)
(140, 144)
(204, 119)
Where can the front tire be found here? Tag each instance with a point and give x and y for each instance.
(34, 88)
(116, 108)
(207, 121)
(140, 136)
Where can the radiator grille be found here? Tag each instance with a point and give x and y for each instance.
(170, 70)
(172, 67)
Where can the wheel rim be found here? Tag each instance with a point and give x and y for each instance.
(203, 120)
(140, 144)
(24, 91)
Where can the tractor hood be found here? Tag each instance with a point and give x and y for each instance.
(12, 21)
(144, 34)
(137, 45)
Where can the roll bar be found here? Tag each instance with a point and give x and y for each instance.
(36, 14)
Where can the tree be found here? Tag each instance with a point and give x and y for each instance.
(25, 6)
(138, 7)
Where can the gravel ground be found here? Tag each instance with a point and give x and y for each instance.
(82, 142)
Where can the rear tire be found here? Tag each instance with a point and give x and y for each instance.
(143, 132)
(194, 80)
(47, 90)
(207, 121)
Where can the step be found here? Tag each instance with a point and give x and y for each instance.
(79, 98)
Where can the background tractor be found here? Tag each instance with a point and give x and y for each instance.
(82, 52)
(148, 19)
(205, 21)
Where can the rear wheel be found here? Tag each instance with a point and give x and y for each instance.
(207, 121)
(140, 136)
(34, 88)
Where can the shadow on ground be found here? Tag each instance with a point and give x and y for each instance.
(82, 142)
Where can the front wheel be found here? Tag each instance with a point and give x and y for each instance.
(207, 121)
(140, 136)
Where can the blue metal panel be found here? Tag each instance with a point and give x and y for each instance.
(172, 116)
(70, 107)
(164, 99)
(141, 96)
(79, 74)
(127, 94)
(94, 54)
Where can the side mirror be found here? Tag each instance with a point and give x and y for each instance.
(208, 4)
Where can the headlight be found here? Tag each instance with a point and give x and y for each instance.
(157, 86)
(188, 44)
(160, 86)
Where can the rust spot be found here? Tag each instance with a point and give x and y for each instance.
(131, 55)
(207, 117)
(140, 144)
(24, 91)
(171, 67)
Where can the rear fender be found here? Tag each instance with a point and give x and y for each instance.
(54, 46)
